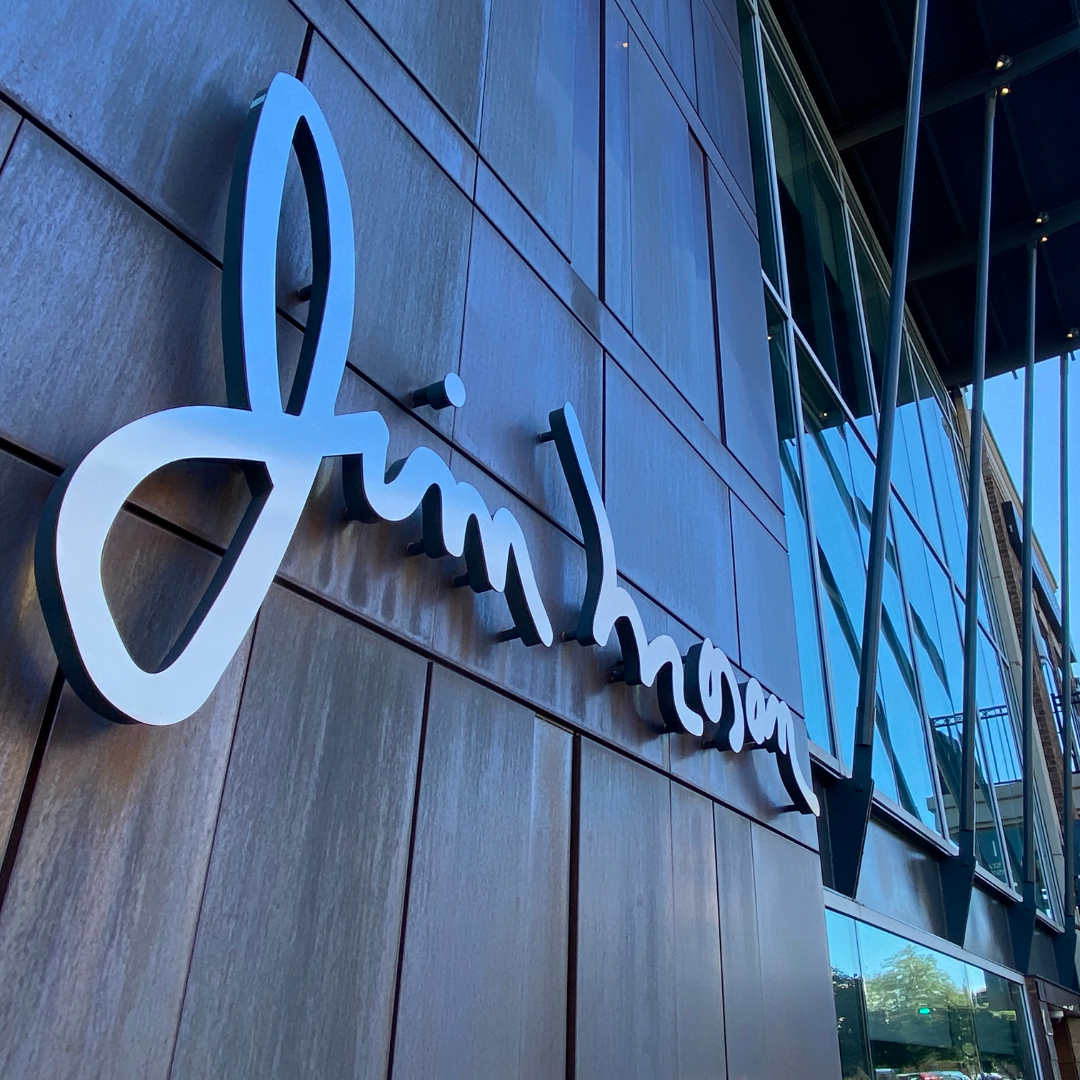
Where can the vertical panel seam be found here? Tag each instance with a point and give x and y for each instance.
(113, 182)
(712, 291)
(601, 159)
(22, 810)
(719, 935)
(464, 316)
(11, 145)
(674, 919)
(213, 844)
(409, 871)
(572, 910)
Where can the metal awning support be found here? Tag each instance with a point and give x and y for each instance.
(848, 801)
(1066, 942)
(958, 872)
(1011, 238)
(1022, 915)
(967, 89)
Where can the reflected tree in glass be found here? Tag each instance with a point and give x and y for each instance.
(903, 1009)
(918, 1007)
(849, 997)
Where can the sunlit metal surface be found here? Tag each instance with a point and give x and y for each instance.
(706, 689)
(280, 449)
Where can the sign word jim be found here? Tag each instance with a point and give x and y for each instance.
(281, 449)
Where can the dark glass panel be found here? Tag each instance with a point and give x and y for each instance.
(802, 575)
(820, 281)
(999, 1029)
(875, 301)
(849, 997)
(770, 252)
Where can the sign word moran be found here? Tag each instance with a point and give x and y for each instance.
(281, 450)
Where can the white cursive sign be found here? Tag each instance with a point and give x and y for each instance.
(281, 449)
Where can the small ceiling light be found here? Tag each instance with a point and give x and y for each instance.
(1004, 91)
(1042, 218)
(1003, 62)
(1043, 239)
(1073, 334)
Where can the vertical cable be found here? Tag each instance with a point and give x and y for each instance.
(1027, 630)
(975, 487)
(864, 731)
(1069, 748)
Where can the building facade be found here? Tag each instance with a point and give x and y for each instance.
(513, 760)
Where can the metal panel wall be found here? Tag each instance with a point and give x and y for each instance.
(390, 846)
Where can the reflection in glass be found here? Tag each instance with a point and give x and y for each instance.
(926, 1011)
(910, 471)
(841, 478)
(902, 764)
(849, 997)
(903, 1009)
(836, 523)
(999, 1033)
(944, 473)
(820, 282)
(939, 655)
(999, 760)
(802, 574)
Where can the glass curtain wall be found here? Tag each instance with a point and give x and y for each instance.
(903, 1010)
(827, 294)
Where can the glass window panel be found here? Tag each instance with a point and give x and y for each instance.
(848, 996)
(901, 759)
(820, 281)
(1047, 897)
(802, 575)
(910, 472)
(770, 251)
(1001, 760)
(941, 457)
(999, 1029)
(875, 299)
(836, 525)
(939, 655)
(918, 1007)
(904, 1010)
(991, 752)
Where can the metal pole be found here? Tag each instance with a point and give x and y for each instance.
(1027, 630)
(864, 731)
(1066, 656)
(975, 486)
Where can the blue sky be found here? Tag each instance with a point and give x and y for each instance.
(1004, 405)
